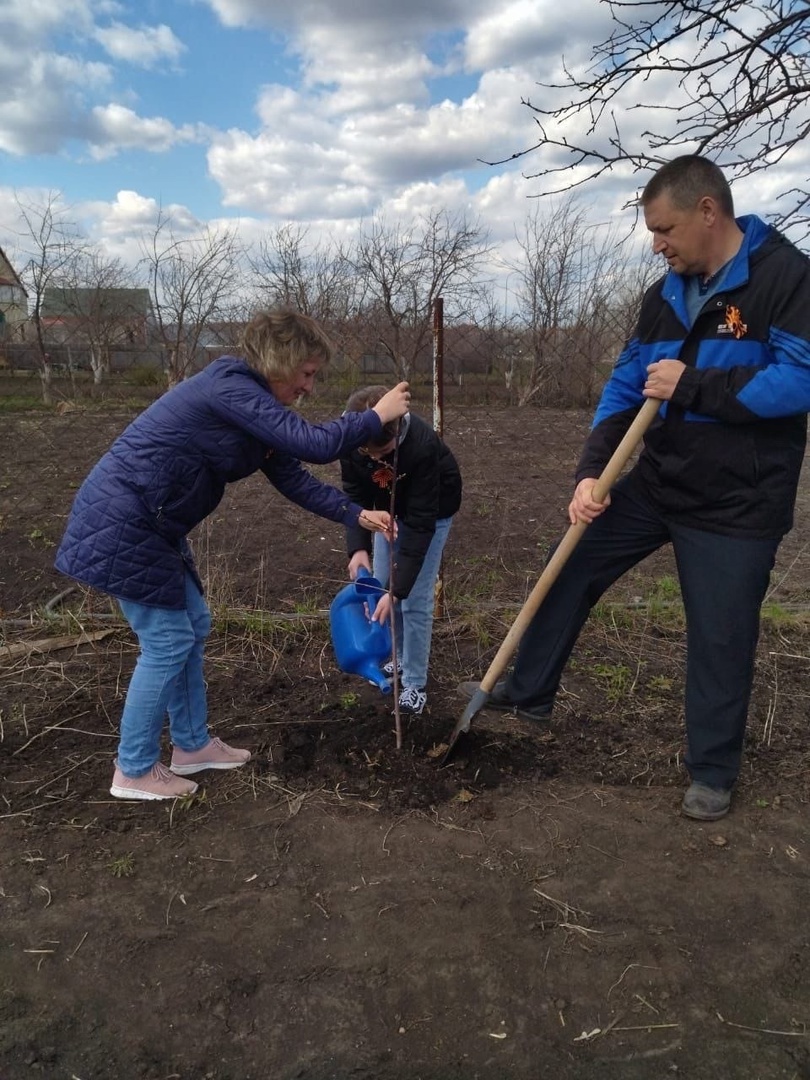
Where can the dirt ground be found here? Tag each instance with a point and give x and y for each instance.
(341, 909)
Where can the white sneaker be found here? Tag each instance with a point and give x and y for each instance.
(412, 701)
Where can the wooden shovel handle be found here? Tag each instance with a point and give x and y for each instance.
(621, 455)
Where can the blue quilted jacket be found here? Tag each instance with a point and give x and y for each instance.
(126, 533)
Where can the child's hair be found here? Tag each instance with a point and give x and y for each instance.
(367, 398)
(276, 343)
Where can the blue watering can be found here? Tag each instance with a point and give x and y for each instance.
(361, 645)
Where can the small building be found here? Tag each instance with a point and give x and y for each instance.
(110, 317)
(13, 303)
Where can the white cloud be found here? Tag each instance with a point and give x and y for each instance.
(309, 156)
(42, 100)
(146, 46)
(366, 20)
(53, 98)
(374, 106)
(116, 128)
(121, 227)
(283, 179)
(27, 23)
(365, 79)
(524, 30)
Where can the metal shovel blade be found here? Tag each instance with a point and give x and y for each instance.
(477, 703)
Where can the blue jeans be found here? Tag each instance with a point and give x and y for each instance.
(168, 677)
(414, 614)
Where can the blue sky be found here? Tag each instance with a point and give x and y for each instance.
(254, 113)
(323, 112)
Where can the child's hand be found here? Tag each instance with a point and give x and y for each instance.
(382, 612)
(360, 558)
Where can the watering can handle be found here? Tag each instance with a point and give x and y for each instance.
(367, 586)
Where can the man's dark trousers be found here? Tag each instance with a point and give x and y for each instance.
(723, 583)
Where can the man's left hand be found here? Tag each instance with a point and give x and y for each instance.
(662, 378)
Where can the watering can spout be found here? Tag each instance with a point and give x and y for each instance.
(372, 671)
(360, 644)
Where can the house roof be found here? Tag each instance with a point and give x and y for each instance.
(96, 303)
(8, 275)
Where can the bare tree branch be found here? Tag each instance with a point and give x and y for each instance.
(729, 78)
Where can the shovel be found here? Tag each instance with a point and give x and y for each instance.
(621, 455)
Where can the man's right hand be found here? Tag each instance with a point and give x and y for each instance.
(394, 404)
(583, 507)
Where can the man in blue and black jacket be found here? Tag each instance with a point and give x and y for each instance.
(723, 340)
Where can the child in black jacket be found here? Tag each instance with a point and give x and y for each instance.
(427, 495)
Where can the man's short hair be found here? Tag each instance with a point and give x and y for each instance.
(686, 180)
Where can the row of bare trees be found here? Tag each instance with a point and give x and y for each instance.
(573, 283)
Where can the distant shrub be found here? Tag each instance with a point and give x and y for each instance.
(144, 375)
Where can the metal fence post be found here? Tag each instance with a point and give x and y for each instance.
(438, 421)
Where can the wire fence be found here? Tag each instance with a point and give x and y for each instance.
(516, 403)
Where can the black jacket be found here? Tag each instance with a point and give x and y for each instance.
(428, 488)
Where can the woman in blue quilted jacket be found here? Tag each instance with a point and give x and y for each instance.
(126, 533)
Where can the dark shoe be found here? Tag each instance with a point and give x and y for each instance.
(705, 803)
(498, 699)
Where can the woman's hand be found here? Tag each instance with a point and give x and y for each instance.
(382, 612)
(360, 558)
(378, 521)
(583, 507)
(394, 404)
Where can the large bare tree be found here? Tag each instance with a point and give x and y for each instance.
(105, 308)
(50, 243)
(405, 268)
(194, 280)
(315, 278)
(567, 278)
(729, 78)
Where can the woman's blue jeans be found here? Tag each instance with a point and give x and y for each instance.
(168, 677)
(414, 614)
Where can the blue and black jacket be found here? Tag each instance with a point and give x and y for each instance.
(726, 452)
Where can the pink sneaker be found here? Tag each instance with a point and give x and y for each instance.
(158, 783)
(215, 755)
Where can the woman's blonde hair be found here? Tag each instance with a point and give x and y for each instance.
(276, 343)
